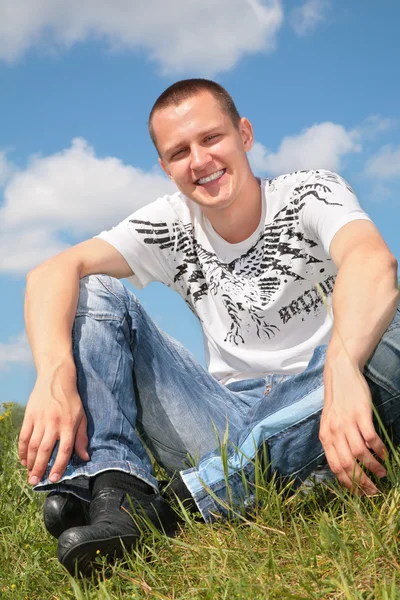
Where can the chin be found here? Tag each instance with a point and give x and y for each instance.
(210, 200)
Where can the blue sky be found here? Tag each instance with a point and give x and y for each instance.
(317, 78)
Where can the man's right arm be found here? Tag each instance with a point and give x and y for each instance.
(54, 410)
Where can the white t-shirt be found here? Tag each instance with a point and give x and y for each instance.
(258, 301)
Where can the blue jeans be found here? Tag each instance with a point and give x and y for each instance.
(141, 388)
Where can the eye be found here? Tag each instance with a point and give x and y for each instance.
(211, 137)
(178, 153)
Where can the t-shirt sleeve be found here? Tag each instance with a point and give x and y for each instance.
(329, 203)
(140, 238)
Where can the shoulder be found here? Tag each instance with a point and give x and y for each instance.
(303, 178)
(165, 208)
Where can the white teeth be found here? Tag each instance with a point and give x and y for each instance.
(210, 177)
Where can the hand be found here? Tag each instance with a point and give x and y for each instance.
(54, 412)
(347, 432)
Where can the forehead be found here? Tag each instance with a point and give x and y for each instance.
(190, 117)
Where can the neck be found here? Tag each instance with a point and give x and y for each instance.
(238, 221)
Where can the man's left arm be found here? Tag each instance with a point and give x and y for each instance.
(364, 302)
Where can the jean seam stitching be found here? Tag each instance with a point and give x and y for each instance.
(380, 382)
(394, 325)
(99, 316)
(295, 426)
(156, 442)
(106, 462)
(268, 440)
(395, 397)
(120, 299)
(294, 473)
(321, 385)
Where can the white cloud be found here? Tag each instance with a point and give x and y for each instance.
(309, 15)
(375, 125)
(15, 351)
(22, 250)
(6, 168)
(77, 194)
(73, 192)
(385, 164)
(201, 35)
(320, 146)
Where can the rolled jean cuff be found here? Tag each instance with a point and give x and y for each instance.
(77, 483)
(204, 501)
(221, 499)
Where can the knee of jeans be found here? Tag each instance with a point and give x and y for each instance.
(101, 294)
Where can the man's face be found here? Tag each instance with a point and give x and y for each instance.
(202, 151)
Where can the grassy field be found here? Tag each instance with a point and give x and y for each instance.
(325, 544)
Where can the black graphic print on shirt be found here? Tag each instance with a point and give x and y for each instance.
(248, 284)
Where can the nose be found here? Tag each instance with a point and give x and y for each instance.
(200, 157)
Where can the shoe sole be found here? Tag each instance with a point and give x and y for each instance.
(81, 557)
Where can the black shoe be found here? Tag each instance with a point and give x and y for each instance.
(175, 491)
(62, 511)
(116, 521)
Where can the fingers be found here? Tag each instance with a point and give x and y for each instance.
(39, 455)
(372, 439)
(70, 438)
(23, 441)
(54, 414)
(347, 431)
(33, 448)
(41, 446)
(64, 453)
(37, 441)
(81, 440)
(344, 465)
(360, 451)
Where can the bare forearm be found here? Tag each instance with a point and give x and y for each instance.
(50, 305)
(55, 411)
(364, 302)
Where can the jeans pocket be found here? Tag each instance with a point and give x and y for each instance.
(169, 458)
(389, 413)
(296, 451)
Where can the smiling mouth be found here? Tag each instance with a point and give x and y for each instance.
(210, 178)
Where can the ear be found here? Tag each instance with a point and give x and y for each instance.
(164, 168)
(246, 131)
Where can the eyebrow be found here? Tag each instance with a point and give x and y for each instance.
(205, 133)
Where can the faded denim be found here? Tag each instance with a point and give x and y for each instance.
(142, 388)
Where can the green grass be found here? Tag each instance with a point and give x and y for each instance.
(326, 544)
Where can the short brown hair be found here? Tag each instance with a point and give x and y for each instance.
(187, 88)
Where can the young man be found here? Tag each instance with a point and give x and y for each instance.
(256, 260)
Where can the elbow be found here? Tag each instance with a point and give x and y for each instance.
(53, 267)
(392, 269)
(34, 273)
(393, 266)
(392, 260)
(384, 265)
